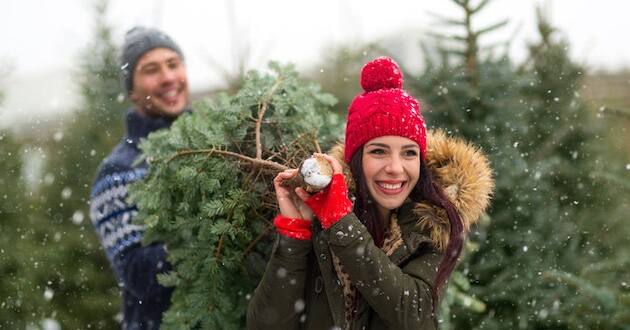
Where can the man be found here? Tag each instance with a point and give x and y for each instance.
(154, 75)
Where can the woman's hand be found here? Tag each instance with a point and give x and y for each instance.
(334, 163)
(331, 204)
(291, 203)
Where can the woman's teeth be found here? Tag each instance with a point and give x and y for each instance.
(390, 185)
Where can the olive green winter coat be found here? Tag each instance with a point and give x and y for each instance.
(301, 290)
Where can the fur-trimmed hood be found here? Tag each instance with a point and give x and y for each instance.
(464, 174)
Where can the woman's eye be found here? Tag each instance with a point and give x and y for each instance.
(411, 153)
(377, 152)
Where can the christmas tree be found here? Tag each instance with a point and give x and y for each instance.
(208, 195)
(62, 277)
(11, 212)
(552, 212)
(338, 71)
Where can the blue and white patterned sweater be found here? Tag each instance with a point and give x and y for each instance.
(135, 266)
(110, 212)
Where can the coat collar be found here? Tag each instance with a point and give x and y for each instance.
(462, 171)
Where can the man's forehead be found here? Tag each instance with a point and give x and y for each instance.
(158, 55)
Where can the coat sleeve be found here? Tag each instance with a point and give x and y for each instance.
(400, 296)
(278, 300)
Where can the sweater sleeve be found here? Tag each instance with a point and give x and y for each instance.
(275, 303)
(401, 296)
(135, 266)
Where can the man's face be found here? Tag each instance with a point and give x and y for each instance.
(160, 84)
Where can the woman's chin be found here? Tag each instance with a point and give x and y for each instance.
(390, 204)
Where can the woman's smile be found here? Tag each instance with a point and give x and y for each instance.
(391, 187)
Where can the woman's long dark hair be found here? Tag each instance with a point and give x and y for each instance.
(425, 190)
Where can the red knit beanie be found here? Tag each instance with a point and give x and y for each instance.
(383, 109)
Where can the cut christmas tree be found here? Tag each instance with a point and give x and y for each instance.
(209, 194)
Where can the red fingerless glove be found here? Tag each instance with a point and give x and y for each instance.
(293, 227)
(331, 204)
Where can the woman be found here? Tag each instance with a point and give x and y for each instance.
(383, 262)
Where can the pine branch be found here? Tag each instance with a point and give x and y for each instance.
(286, 147)
(480, 6)
(492, 27)
(461, 3)
(217, 251)
(603, 295)
(440, 36)
(317, 147)
(616, 112)
(446, 20)
(549, 147)
(262, 108)
(253, 243)
(256, 162)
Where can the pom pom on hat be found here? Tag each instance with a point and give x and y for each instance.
(381, 73)
(383, 109)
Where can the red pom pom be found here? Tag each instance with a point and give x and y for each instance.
(381, 73)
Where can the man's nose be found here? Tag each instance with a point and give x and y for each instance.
(168, 75)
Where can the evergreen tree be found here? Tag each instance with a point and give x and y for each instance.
(11, 215)
(209, 197)
(22, 302)
(63, 275)
(551, 214)
(338, 72)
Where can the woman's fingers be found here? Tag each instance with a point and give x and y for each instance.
(286, 199)
(304, 210)
(334, 163)
(302, 194)
(284, 175)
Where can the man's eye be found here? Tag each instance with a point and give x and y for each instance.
(150, 70)
(173, 65)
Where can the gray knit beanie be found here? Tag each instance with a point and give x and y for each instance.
(138, 41)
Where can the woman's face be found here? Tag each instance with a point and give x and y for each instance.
(391, 166)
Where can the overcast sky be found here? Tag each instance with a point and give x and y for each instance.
(40, 40)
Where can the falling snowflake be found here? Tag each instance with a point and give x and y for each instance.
(77, 217)
(48, 294)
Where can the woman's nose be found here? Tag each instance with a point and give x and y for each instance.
(394, 166)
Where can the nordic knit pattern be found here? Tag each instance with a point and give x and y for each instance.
(111, 213)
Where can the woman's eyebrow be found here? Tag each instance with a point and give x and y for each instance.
(411, 146)
(376, 144)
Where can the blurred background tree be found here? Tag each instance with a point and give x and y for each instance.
(79, 269)
(63, 274)
(553, 211)
(338, 71)
(12, 214)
